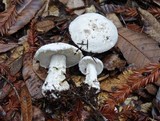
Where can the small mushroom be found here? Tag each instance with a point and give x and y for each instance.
(93, 32)
(91, 67)
(57, 57)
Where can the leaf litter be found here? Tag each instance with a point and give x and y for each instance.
(125, 94)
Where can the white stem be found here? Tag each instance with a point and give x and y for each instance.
(55, 79)
(91, 77)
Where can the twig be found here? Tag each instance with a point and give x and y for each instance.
(11, 86)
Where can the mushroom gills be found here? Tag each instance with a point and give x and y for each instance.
(55, 80)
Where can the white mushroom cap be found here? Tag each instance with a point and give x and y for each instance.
(45, 53)
(90, 60)
(96, 30)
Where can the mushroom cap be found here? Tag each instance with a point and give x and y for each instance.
(44, 54)
(90, 60)
(96, 30)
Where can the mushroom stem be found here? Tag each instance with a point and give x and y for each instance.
(91, 76)
(56, 75)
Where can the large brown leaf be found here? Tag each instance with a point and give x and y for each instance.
(138, 48)
(6, 47)
(26, 11)
(32, 81)
(151, 24)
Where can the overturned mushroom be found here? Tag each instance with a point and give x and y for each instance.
(57, 57)
(91, 67)
(93, 32)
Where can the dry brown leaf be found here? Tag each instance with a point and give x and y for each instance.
(137, 48)
(44, 26)
(15, 60)
(16, 65)
(91, 9)
(112, 61)
(75, 4)
(26, 104)
(40, 71)
(152, 26)
(145, 107)
(151, 89)
(31, 79)
(6, 47)
(114, 19)
(26, 12)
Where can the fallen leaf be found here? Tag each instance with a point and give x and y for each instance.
(44, 26)
(8, 17)
(145, 107)
(14, 63)
(91, 9)
(137, 48)
(114, 19)
(112, 61)
(15, 66)
(152, 26)
(26, 104)
(32, 81)
(6, 47)
(40, 71)
(26, 11)
(151, 89)
(75, 4)
(53, 10)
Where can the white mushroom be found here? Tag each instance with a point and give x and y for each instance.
(56, 57)
(91, 67)
(93, 32)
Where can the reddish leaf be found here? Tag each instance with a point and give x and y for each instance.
(7, 19)
(26, 104)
